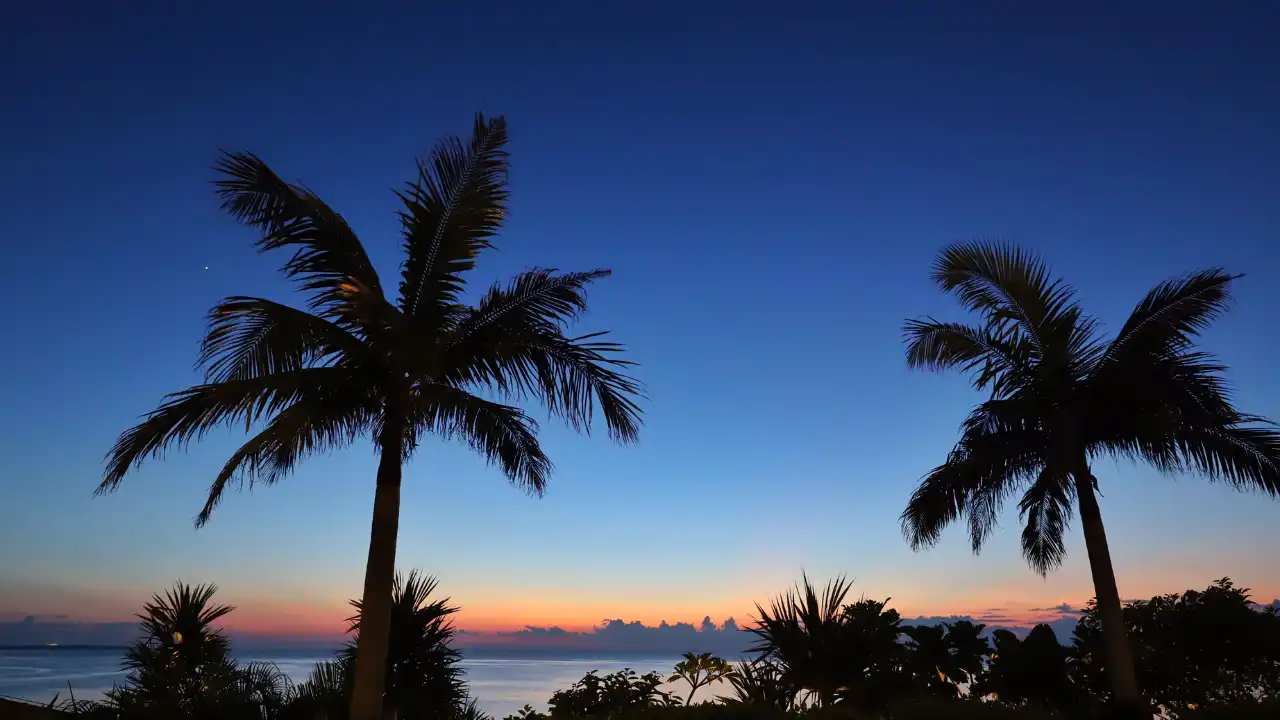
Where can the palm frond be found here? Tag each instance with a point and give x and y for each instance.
(328, 259)
(314, 424)
(538, 297)
(514, 342)
(1009, 286)
(799, 616)
(1172, 314)
(995, 456)
(191, 413)
(1175, 411)
(1244, 453)
(1046, 509)
(327, 682)
(1154, 395)
(411, 598)
(251, 337)
(503, 434)
(999, 362)
(184, 609)
(453, 208)
(264, 685)
(761, 682)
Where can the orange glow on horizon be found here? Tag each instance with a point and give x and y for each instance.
(328, 616)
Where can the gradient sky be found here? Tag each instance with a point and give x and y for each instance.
(770, 188)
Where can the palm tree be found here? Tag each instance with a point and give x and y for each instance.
(423, 678)
(181, 666)
(802, 632)
(829, 651)
(1060, 396)
(355, 363)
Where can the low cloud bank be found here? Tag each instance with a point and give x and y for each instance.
(727, 639)
(616, 636)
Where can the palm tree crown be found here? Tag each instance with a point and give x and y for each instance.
(354, 362)
(1061, 396)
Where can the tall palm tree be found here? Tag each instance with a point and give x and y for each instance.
(354, 362)
(1060, 396)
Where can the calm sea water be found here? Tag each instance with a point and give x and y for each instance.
(502, 685)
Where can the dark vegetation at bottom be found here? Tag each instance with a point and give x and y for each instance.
(1202, 655)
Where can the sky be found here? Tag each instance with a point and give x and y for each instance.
(769, 186)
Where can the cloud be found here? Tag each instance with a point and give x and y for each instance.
(617, 635)
(726, 639)
(1064, 608)
(33, 631)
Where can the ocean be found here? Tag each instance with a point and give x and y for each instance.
(502, 685)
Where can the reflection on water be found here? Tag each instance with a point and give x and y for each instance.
(502, 685)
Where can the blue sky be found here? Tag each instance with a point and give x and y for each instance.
(770, 187)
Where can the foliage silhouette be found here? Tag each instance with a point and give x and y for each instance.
(423, 679)
(1210, 648)
(354, 362)
(1059, 396)
(699, 671)
(803, 634)
(889, 671)
(762, 682)
(606, 696)
(325, 693)
(1028, 672)
(181, 667)
(946, 655)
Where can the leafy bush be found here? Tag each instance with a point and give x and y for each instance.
(604, 696)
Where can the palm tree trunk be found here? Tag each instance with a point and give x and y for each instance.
(1124, 682)
(379, 576)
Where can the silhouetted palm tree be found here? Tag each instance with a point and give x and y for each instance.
(355, 362)
(829, 651)
(802, 633)
(181, 667)
(423, 679)
(1060, 396)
